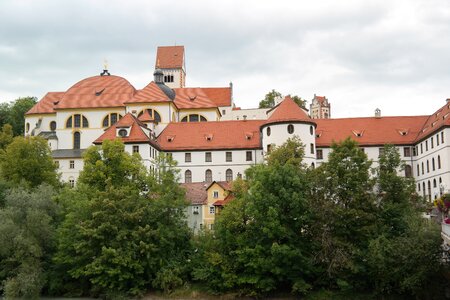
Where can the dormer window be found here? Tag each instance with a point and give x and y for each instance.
(122, 132)
(358, 133)
(403, 132)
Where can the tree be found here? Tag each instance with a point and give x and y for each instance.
(291, 152)
(344, 208)
(120, 237)
(261, 239)
(27, 226)
(27, 160)
(109, 164)
(6, 136)
(269, 100)
(14, 113)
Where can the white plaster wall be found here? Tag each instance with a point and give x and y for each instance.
(65, 170)
(164, 109)
(218, 166)
(33, 121)
(252, 114)
(279, 135)
(177, 78)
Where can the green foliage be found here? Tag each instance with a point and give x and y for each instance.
(291, 152)
(27, 160)
(121, 237)
(269, 100)
(13, 113)
(109, 164)
(27, 225)
(6, 136)
(261, 240)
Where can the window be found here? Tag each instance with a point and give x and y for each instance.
(433, 167)
(428, 166)
(380, 151)
(418, 170)
(211, 226)
(269, 148)
(195, 210)
(77, 121)
(57, 164)
(71, 183)
(208, 175)
(111, 119)
(311, 148)
(437, 139)
(429, 190)
(311, 130)
(442, 137)
(123, 132)
(208, 157)
(72, 164)
(319, 154)
(135, 149)
(414, 150)
(76, 140)
(229, 175)
(406, 151)
(188, 176)
(434, 183)
(268, 131)
(421, 148)
(423, 188)
(153, 113)
(418, 187)
(212, 210)
(215, 194)
(194, 118)
(408, 171)
(52, 125)
(27, 127)
(228, 156)
(187, 157)
(439, 161)
(432, 142)
(313, 165)
(168, 78)
(290, 129)
(426, 145)
(249, 156)
(423, 168)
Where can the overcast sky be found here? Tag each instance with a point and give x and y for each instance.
(393, 55)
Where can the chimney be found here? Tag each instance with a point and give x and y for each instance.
(448, 100)
(377, 113)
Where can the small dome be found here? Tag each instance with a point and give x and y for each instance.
(158, 75)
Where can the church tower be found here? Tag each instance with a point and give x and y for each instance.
(320, 108)
(170, 60)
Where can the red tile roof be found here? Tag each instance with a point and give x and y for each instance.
(97, 91)
(196, 192)
(170, 57)
(223, 135)
(288, 111)
(137, 134)
(46, 104)
(186, 98)
(320, 99)
(225, 201)
(435, 122)
(372, 130)
(220, 96)
(145, 117)
(150, 93)
(223, 184)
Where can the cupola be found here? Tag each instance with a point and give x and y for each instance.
(159, 76)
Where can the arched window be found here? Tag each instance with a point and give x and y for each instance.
(208, 175)
(418, 186)
(77, 121)
(423, 169)
(408, 171)
(418, 171)
(27, 127)
(188, 176)
(194, 118)
(111, 119)
(439, 161)
(76, 140)
(432, 164)
(290, 129)
(428, 166)
(429, 190)
(268, 131)
(153, 113)
(52, 125)
(313, 165)
(229, 175)
(311, 130)
(423, 189)
(434, 183)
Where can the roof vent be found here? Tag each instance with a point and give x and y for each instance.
(358, 133)
(244, 117)
(377, 113)
(98, 93)
(56, 102)
(170, 138)
(403, 132)
(192, 98)
(209, 137)
(248, 135)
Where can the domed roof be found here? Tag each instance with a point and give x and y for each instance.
(98, 91)
(288, 111)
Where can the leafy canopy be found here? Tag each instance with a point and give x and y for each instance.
(270, 97)
(13, 113)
